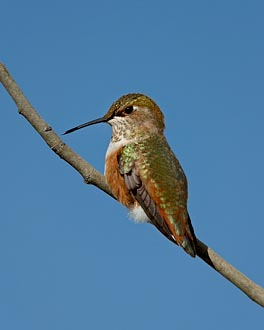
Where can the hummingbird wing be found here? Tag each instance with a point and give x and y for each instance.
(153, 175)
(139, 191)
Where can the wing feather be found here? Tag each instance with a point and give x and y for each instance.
(155, 194)
(139, 191)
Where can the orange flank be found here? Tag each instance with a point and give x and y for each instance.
(116, 181)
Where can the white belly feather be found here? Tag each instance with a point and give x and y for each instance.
(138, 214)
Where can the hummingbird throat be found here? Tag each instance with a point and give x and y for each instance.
(122, 130)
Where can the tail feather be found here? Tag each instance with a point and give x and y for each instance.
(190, 241)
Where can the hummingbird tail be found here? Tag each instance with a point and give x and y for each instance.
(189, 242)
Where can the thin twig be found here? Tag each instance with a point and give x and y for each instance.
(92, 176)
(89, 173)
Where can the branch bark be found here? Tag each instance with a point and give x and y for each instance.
(92, 176)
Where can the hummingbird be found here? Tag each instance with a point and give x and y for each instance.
(142, 170)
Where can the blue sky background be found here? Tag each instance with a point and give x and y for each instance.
(70, 258)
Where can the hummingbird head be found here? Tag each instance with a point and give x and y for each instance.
(132, 115)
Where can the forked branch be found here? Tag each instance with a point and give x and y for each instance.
(92, 176)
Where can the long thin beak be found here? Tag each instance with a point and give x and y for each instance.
(89, 123)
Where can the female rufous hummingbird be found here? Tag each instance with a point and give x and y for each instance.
(143, 172)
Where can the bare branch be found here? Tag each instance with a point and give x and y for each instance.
(92, 176)
(89, 174)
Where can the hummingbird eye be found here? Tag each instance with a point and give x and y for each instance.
(129, 109)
